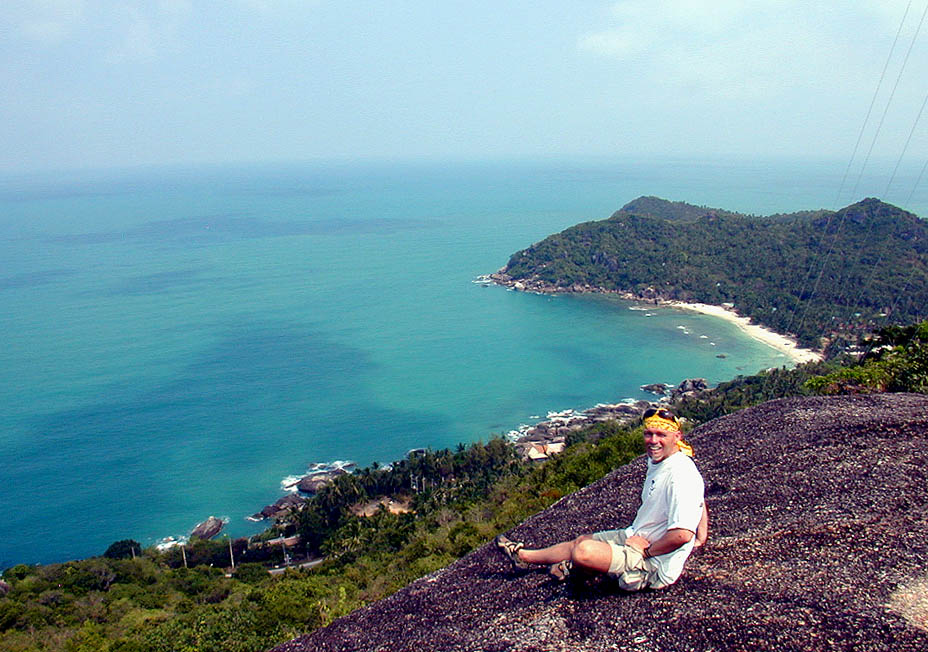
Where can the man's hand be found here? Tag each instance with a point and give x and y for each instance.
(667, 543)
(638, 542)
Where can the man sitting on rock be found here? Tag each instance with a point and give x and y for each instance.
(670, 522)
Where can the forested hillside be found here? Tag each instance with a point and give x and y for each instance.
(825, 277)
(149, 601)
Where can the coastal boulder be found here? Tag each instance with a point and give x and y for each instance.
(622, 412)
(689, 386)
(656, 388)
(311, 484)
(280, 508)
(207, 529)
(560, 425)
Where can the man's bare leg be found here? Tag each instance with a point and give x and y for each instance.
(584, 551)
(550, 555)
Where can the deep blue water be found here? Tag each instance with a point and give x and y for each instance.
(178, 341)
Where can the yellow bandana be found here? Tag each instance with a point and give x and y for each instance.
(668, 425)
(659, 423)
(685, 448)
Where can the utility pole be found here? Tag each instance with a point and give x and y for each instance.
(183, 552)
(231, 556)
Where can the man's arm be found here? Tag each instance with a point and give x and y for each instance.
(672, 540)
(702, 530)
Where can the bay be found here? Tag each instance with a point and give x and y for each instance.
(176, 342)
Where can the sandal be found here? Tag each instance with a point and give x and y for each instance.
(511, 550)
(561, 570)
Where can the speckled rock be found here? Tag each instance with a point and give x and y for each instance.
(819, 515)
(207, 529)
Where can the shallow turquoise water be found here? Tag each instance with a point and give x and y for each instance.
(176, 342)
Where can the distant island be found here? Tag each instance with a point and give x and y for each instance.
(822, 277)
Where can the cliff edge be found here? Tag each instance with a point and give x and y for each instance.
(818, 541)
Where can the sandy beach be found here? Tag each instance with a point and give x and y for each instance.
(780, 342)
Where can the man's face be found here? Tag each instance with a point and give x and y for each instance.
(660, 444)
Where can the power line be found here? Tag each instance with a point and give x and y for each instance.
(835, 233)
(908, 201)
(876, 92)
(907, 141)
(904, 288)
(892, 94)
(810, 273)
(863, 290)
(890, 100)
(861, 293)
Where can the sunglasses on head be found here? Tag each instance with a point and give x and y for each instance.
(661, 412)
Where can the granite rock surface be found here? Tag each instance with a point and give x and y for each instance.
(207, 529)
(818, 541)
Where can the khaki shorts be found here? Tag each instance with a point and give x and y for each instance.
(628, 566)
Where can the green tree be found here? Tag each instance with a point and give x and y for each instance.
(123, 549)
(896, 362)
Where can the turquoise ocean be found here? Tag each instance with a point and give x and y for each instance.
(177, 342)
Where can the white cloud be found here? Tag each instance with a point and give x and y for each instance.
(740, 48)
(175, 7)
(612, 43)
(141, 32)
(131, 29)
(773, 74)
(268, 6)
(43, 21)
(140, 39)
(234, 86)
(258, 5)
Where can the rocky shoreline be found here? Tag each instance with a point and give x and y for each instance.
(548, 437)
(539, 286)
(538, 441)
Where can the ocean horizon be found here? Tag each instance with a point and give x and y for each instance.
(178, 342)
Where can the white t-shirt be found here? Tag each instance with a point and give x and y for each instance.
(672, 497)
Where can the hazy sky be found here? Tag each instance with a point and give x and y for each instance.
(96, 83)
